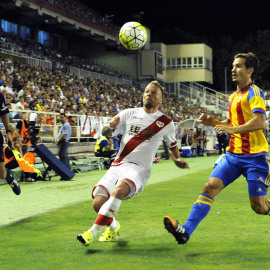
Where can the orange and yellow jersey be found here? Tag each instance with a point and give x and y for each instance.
(242, 104)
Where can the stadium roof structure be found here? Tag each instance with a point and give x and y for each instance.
(31, 12)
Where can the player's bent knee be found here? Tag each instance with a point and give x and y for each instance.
(119, 193)
(98, 202)
(259, 208)
(213, 186)
(259, 204)
(96, 206)
(121, 190)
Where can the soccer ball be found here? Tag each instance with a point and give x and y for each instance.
(133, 35)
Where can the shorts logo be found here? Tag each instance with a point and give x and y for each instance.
(160, 124)
(260, 179)
(259, 190)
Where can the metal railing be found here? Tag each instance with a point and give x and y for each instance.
(199, 94)
(94, 131)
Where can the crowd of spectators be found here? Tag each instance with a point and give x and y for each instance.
(59, 58)
(37, 89)
(81, 11)
(196, 140)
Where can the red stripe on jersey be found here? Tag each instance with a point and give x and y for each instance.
(152, 129)
(232, 140)
(244, 136)
(232, 143)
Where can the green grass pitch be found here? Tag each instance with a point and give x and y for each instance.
(38, 229)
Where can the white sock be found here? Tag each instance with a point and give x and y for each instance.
(108, 209)
(113, 225)
(95, 229)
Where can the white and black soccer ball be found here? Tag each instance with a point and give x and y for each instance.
(133, 35)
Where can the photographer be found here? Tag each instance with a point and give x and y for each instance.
(10, 160)
(23, 129)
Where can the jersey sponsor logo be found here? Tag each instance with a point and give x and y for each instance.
(146, 134)
(260, 179)
(160, 124)
(134, 130)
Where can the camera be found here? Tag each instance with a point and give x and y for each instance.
(31, 135)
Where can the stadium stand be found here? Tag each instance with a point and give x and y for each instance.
(46, 77)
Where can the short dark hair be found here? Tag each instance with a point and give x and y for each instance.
(62, 113)
(251, 61)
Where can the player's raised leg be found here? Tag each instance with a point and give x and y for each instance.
(106, 216)
(5, 174)
(198, 212)
(258, 197)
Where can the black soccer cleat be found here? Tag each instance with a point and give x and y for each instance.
(13, 183)
(177, 230)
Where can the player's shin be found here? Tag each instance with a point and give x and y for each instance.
(106, 215)
(198, 212)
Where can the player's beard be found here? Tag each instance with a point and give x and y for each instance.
(149, 105)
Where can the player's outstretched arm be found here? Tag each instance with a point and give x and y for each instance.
(114, 122)
(175, 156)
(209, 120)
(108, 128)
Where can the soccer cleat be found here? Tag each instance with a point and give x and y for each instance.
(13, 183)
(156, 160)
(177, 230)
(15, 187)
(31, 181)
(109, 234)
(85, 238)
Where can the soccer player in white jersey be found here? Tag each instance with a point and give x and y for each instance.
(143, 130)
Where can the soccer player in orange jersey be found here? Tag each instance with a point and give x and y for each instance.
(247, 153)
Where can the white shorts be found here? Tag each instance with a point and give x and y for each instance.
(135, 176)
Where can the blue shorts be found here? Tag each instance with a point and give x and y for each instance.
(255, 169)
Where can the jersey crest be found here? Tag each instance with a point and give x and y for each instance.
(160, 124)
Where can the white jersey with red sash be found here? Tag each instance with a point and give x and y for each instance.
(142, 134)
